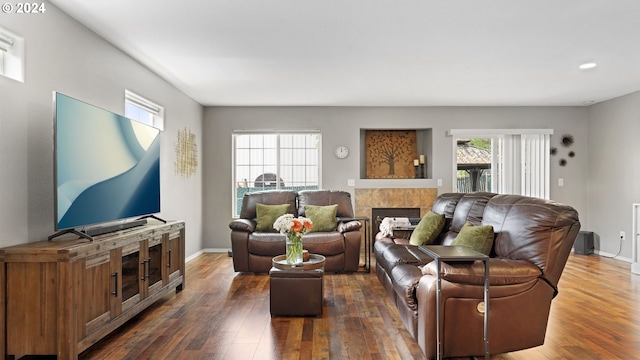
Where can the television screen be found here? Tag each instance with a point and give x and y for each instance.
(107, 167)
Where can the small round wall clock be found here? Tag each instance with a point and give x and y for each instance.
(341, 151)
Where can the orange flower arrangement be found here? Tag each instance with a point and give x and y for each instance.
(297, 225)
(294, 228)
(289, 225)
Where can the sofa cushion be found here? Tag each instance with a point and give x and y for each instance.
(329, 243)
(446, 204)
(326, 197)
(501, 272)
(267, 215)
(427, 229)
(478, 238)
(266, 244)
(533, 229)
(470, 208)
(322, 217)
(274, 197)
(391, 255)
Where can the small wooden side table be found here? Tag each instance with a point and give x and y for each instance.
(441, 253)
(368, 238)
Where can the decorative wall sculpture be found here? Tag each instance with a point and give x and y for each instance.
(565, 141)
(186, 153)
(390, 154)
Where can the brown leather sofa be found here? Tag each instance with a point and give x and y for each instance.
(252, 251)
(533, 239)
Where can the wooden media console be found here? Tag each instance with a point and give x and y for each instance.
(60, 297)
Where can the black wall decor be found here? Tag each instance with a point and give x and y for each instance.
(565, 141)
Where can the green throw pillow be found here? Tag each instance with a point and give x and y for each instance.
(479, 238)
(427, 229)
(267, 215)
(322, 217)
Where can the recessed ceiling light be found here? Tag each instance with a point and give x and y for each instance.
(589, 65)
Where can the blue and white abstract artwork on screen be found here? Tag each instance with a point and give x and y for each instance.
(107, 167)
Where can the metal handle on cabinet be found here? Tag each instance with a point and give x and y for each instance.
(115, 285)
(169, 255)
(148, 266)
(144, 269)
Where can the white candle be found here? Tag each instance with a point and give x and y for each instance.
(421, 159)
(415, 162)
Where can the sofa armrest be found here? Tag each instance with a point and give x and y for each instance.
(344, 227)
(243, 225)
(501, 272)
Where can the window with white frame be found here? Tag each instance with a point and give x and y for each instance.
(274, 161)
(11, 55)
(505, 161)
(143, 110)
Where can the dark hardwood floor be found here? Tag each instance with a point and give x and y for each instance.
(224, 315)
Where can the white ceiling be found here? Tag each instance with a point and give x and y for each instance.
(378, 52)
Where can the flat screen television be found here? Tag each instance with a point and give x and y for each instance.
(106, 167)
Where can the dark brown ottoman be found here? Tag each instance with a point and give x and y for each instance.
(296, 291)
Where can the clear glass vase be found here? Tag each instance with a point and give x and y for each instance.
(294, 250)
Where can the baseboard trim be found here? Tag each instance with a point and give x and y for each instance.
(208, 250)
(610, 255)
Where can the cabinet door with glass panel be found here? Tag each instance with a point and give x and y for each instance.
(141, 270)
(132, 271)
(114, 281)
(152, 266)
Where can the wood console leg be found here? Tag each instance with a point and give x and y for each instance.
(3, 309)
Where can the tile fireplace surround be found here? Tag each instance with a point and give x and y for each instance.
(366, 199)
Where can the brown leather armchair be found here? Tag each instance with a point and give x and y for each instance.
(253, 251)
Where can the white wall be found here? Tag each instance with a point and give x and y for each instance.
(62, 55)
(613, 171)
(341, 126)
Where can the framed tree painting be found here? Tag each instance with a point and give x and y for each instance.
(390, 154)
